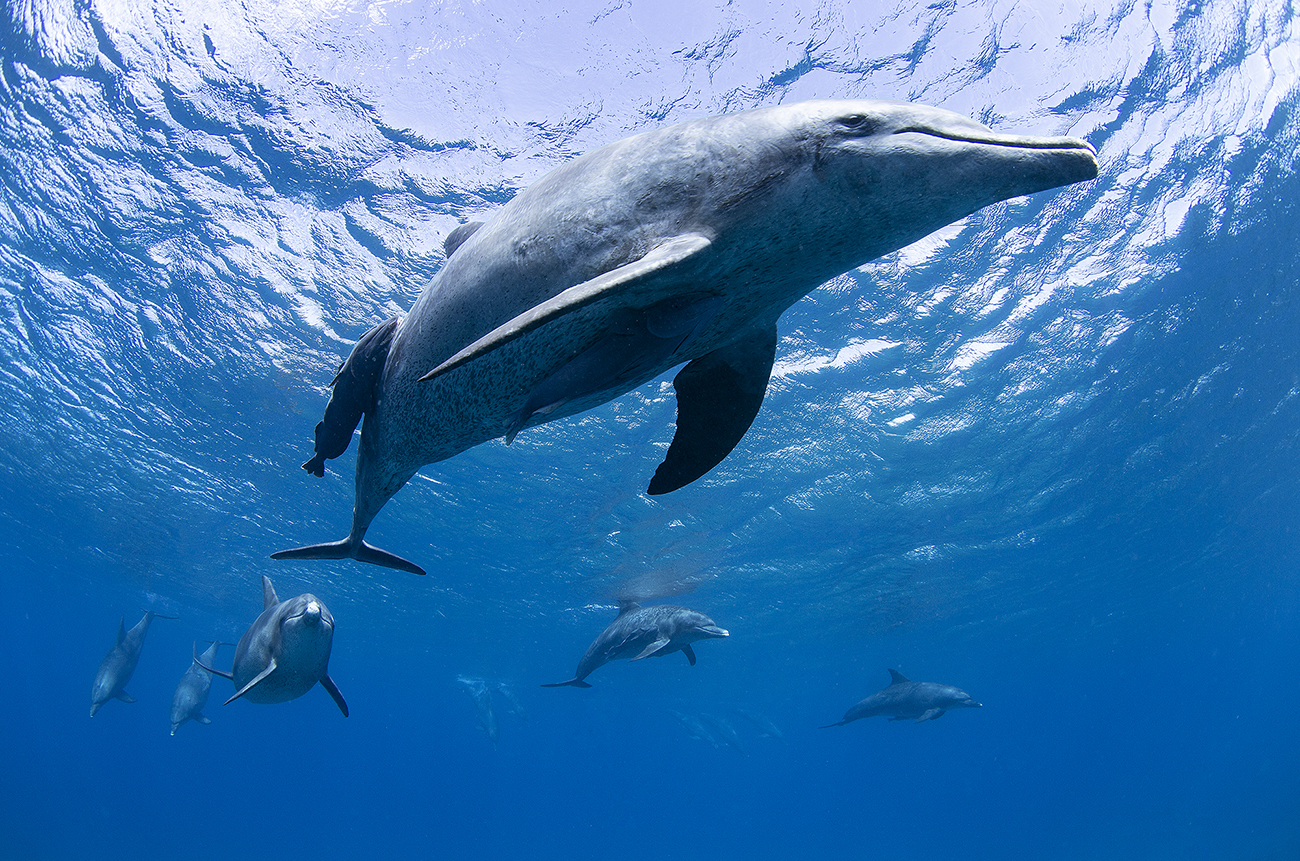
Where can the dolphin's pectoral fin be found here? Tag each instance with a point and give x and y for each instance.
(354, 393)
(347, 549)
(616, 282)
(689, 653)
(270, 668)
(125, 697)
(931, 714)
(203, 720)
(636, 341)
(333, 690)
(652, 648)
(718, 396)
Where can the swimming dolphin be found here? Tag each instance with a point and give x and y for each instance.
(905, 699)
(481, 694)
(284, 652)
(724, 731)
(761, 722)
(644, 632)
(681, 244)
(118, 665)
(513, 705)
(695, 728)
(192, 690)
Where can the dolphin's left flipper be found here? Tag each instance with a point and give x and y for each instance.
(689, 653)
(718, 396)
(125, 697)
(333, 690)
(652, 648)
(932, 714)
(616, 282)
(270, 668)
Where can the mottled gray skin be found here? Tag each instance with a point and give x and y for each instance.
(908, 700)
(192, 691)
(711, 227)
(118, 665)
(644, 632)
(285, 652)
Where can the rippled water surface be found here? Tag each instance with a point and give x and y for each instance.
(1049, 454)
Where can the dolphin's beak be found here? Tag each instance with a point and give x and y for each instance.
(714, 631)
(94, 707)
(974, 705)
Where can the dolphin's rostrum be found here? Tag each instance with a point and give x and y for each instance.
(118, 665)
(284, 652)
(680, 245)
(908, 700)
(644, 632)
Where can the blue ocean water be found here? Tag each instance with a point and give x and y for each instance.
(1048, 455)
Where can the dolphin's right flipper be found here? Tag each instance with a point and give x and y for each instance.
(333, 690)
(652, 648)
(270, 668)
(718, 396)
(201, 719)
(618, 283)
(931, 714)
(125, 697)
(689, 653)
(345, 549)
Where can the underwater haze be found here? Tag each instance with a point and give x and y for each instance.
(1049, 455)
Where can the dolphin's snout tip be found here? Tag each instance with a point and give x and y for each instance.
(715, 631)
(975, 705)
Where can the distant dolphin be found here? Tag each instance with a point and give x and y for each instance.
(192, 690)
(726, 732)
(644, 632)
(118, 665)
(905, 699)
(695, 728)
(761, 722)
(515, 707)
(482, 696)
(284, 652)
(681, 244)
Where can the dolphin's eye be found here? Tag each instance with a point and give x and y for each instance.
(857, 124)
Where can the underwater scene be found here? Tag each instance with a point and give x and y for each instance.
(743, 430)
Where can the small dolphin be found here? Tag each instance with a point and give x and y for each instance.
(644, 632)
(118, 665)
(761, 722)
(695, 728)
(482, 696)
(192, 691)
(284, 652)
(905, 699)
(513, 704)
(680, 245)
(726, 732)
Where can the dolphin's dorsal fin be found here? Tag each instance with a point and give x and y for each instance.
(897, 678)
(269, 598)
(718, 396)
(627, 606)
(618, 283)
(457, 237)
(121, 630)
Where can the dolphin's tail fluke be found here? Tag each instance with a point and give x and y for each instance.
(576, 683)
(347, 549)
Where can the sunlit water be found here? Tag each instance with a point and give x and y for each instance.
(1050, 454)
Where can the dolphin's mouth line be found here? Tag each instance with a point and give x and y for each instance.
(1008, 141)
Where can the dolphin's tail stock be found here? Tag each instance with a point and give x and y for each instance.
(350, 549)
(574, 682)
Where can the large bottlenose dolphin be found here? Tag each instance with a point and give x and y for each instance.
(644, 632)
(192, 690)
(284, 652)
(682, 244)
(118, 665)
(905, 699)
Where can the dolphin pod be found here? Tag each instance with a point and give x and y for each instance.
(644, 632)
(118, 665)
(284, 653)
(679, 245)
(905, 699)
